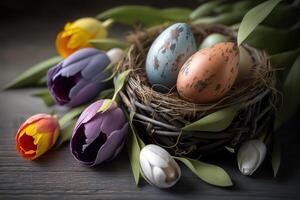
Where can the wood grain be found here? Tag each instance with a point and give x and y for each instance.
(58, 175)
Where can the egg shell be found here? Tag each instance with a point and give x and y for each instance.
(209, 74)
(167, 54)
(212, 39)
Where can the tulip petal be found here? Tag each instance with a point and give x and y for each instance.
(114, 140)
(79, 39)
(80, 55)
(96, 65)
(76, 88)
(73, 68)
(33, 119)
(92, 129)
(146, 167)
(47, 125)
(85, 94)
(116, 117)
(154, 159)
(159, 177)
(159, 152)
(90, 112)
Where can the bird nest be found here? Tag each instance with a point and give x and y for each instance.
(159, 117)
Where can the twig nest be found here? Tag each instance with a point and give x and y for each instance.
(159, 167)
(160, 117)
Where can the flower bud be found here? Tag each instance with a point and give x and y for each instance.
(76, 35)
(98, 137)
(79, 78)
(37, 135)
(158, 166)
(250, 156)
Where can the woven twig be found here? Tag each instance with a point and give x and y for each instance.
(160, 117)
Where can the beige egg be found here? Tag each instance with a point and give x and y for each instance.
(209, 74)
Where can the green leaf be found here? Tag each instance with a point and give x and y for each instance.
(71, 114)
(276, 157)
(283, 62)
(106, 44)
(214, 122)
(133, 14)
(175, 14)
(32, 75)
(254, 17)
(263, 37)
(106, 105)
(285, 59)
(209, 173)
(106, 94)
(45, 96)
(225, 19)
(204, 9)
(120, 80)
(141, 143)
(134, 145)
(146, 15)
(291, 101)
(65, 134)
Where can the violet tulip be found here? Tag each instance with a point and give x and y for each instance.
(97, 136)
(79, 78)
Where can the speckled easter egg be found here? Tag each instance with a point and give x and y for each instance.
(209, 74)
(167, 54)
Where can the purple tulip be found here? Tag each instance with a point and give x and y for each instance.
(98, 137)
(78, 78)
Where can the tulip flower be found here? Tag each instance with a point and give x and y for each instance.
(97, 136)
(76, 35)
(79, 78)
(158, 166)
(37, 135)
(250, 156)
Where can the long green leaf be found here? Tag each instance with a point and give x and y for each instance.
(264, 37)
(175, 14)
(276, 156)
(106, 44)
(70, 115)
(209, 173)
(284, 62)
(119, 83)
(254, 17)
(32, 75)
(46, 97)
(204, 9)
(225, 19)
(134, 145)
(214, 122)
(291, 101)
(106, 105)
(106, 94)
(285, 59)
(65, 134)
(147, 15)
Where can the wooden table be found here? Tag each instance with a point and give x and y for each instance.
(25, 41)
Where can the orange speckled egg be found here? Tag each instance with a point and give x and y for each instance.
(209, 73)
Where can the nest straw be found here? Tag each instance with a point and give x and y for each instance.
(159, 117)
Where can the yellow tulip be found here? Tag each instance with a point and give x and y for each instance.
(76, 35)
(37, 135)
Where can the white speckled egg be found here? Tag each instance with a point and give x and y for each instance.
(167, 54)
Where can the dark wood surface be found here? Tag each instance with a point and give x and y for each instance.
(25, 41)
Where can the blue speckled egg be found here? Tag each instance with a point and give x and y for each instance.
(167, 54)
